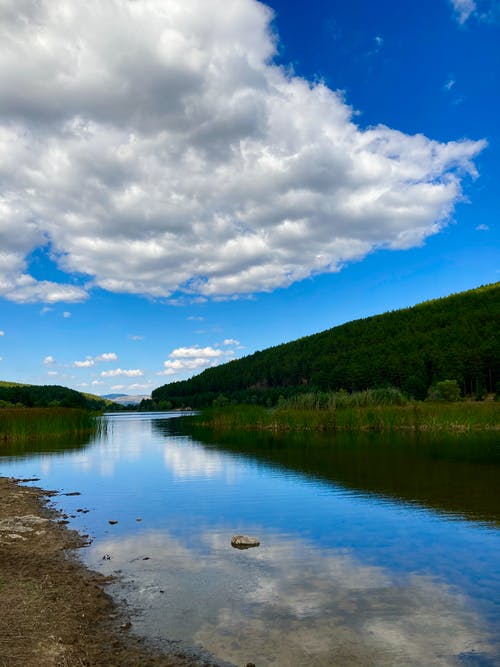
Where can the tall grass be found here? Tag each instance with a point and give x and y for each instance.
(332, 400)
(18, 424)
(412, 416)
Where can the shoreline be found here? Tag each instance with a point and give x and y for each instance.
(54, 611)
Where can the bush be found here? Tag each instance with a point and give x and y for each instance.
(446, 390)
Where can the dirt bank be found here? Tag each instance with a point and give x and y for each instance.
(53, 610)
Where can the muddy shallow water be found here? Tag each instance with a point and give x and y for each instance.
(373, 550)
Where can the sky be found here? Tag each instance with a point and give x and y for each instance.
(184, 182)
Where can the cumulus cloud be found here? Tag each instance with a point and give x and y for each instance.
(156, 148)
(231, 341)
(49, 360)
(482, 228)
(66, 314)
(107, 356)
(120, 371)
(196, 352)
(92, 361)
(195, 358)
(87, 363)
(2, 333)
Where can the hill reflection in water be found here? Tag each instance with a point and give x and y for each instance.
(452, 473)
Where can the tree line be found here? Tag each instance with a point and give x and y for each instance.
(453, 338)
(44, 396)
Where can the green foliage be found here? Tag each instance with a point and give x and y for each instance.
(20, 424)
(412, 349)
(342, 399)
(220, 401)
(446, 390)
(416, 417)
(34, 396)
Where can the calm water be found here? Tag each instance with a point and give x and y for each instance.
(374, 550)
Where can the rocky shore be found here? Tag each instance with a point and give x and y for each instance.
(53, 610)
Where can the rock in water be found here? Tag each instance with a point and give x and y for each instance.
(244, 542)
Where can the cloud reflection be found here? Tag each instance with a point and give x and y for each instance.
(187, 461)
(289, 603)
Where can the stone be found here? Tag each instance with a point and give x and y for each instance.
(244, 542)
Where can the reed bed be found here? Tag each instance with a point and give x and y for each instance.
(414, 416)
(20, 424)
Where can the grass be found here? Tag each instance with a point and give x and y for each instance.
(21, 424)
(411, 416)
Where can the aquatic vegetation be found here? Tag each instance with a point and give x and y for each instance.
(355, 413)
(17, 424)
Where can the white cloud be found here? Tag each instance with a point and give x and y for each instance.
(196, 352)
(118, 387)
(136, 337)
(120, 371)
(92, 361)
(482, 228)
(52, 373)
(2, 333)
(66, 314)
(449, 84)
(194, 318)
(49, 360)
(107, 356)
(22, 288)
(95, 383)
(196, 358)
(1, 358)
(463, 9)
(87, 363)
(208, 170)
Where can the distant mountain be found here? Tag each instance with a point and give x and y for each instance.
(457, 337)
(126, 399)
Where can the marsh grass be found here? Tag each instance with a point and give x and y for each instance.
(412, 416)
(22, 424)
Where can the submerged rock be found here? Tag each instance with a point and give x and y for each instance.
(244, 542)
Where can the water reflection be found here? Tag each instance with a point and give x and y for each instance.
(458, 474)
(18, 451)
(355, 567)
(290, 603)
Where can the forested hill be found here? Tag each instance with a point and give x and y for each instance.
(42, 396)
(457, 337)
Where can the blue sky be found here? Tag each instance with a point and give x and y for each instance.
(183, 183)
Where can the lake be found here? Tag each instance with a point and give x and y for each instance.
(375, 549)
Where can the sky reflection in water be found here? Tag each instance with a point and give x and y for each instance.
(343, 576)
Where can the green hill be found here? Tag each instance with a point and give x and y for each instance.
(457, 337)
(42, 396)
